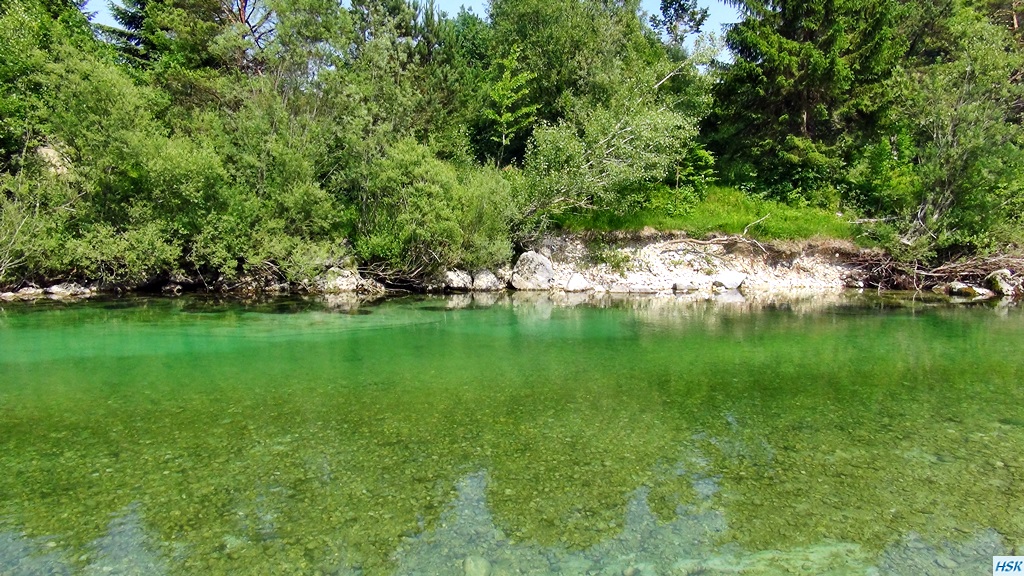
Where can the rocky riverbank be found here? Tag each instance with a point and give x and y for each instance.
(676, 265)
(726, 268)
(648, 263)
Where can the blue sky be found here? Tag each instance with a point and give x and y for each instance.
(719, 13)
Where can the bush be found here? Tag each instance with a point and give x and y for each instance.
(603, 154)
(883, 179)
(132, 256)
(34, 204)
(416, 214)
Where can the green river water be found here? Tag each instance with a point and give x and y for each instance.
(638, 437)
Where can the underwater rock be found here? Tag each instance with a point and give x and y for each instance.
(476, 566)
(914, 555)
(532, 272)
(575, 567)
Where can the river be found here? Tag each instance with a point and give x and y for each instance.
(501, 435)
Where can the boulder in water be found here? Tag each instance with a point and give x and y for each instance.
(487, 281)
(1001, 282)
(966, 290)
(338, 281)
(67, 290)
(684, 287)
(533, 271)
(458, 281)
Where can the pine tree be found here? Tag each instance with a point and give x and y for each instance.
(129, 37)
(796, 85)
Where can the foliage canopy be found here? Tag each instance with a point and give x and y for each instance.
(278, 138)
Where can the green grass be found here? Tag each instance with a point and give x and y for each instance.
(725, 210)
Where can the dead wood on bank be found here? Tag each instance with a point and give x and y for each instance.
(876, 269)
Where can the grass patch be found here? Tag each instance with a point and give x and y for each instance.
(724, 210)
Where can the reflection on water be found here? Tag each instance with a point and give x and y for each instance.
(522, 435)
(467, 541)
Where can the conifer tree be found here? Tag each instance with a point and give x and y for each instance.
(796, 85)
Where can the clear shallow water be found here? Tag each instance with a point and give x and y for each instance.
(196, 436)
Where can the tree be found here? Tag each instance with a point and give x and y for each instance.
(507, 109)
(679, 19)
(969, 156)
(797, 86)
(219, 34)
(600, 155)
(579, 49)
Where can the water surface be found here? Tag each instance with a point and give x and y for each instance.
(198, 436)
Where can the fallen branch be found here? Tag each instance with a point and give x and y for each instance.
(723, 241)
(754, 223)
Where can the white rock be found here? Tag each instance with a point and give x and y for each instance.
(504, 274)
(729, 280)
(532, 272)
(338, 281)
(459, 280)
(54, 161)
(983, 293)
(66, 290)
(577, 283)
(487, 281)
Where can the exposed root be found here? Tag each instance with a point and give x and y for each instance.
(880, 270)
